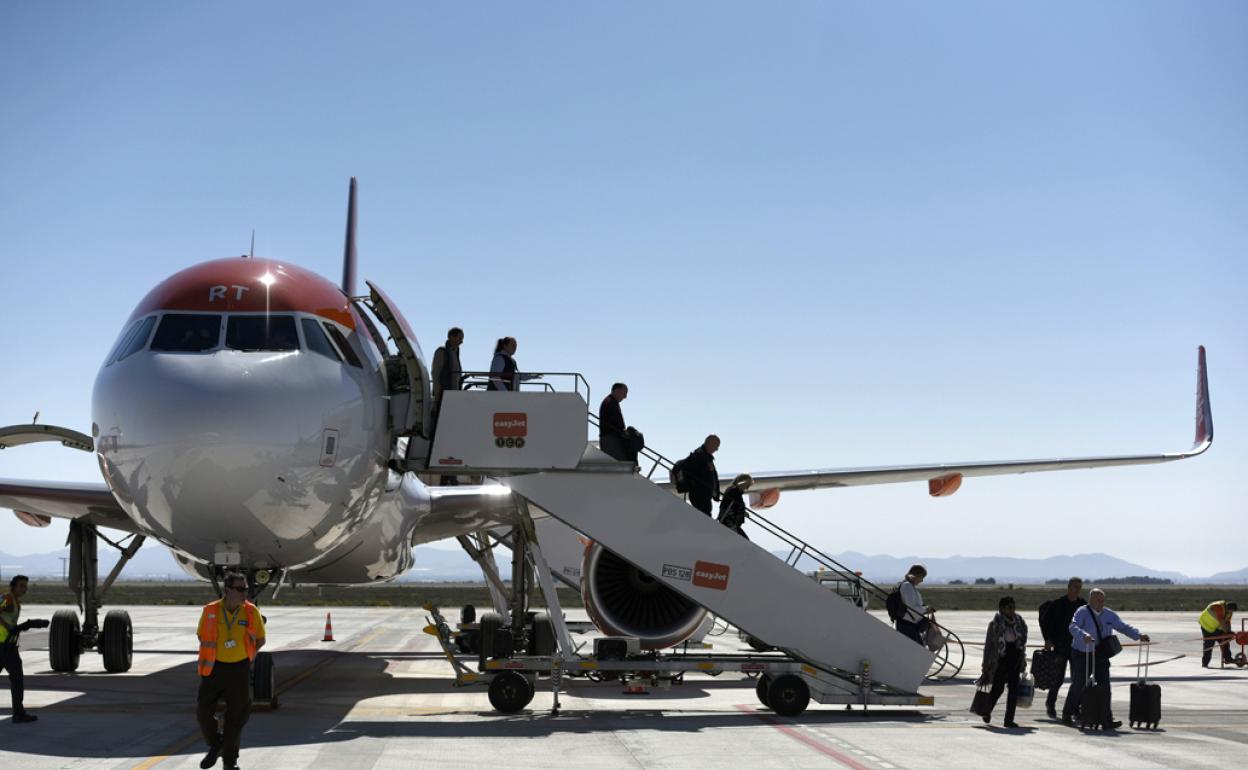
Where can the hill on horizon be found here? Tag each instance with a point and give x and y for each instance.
(443, 565)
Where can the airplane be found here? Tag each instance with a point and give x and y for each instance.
(253, 416)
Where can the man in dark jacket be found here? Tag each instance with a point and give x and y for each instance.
(1055, 619)
(702, 478)
(446, 371)
(446, 374)
(611, 423)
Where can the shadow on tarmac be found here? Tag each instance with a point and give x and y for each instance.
(154, 713)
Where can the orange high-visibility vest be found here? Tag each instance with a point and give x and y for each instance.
(1215, 616)
(208, 634)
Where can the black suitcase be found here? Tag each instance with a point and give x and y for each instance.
(1046, 668)
(1094, 705)
(1145, 700)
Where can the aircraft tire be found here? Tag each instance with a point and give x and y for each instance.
(491, 624)
(510, 692)
(542, 641)
(117, 642)
(264, 679)
(65, 641)
(788, 695)
(760, 689)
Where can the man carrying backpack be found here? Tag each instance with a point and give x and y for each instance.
(1055, 616)
(700, 477)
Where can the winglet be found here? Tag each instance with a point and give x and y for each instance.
(348, 252)
(1204, 412)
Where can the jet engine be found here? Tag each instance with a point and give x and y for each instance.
(623, 600)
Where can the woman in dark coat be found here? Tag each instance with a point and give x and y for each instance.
(1005, 658)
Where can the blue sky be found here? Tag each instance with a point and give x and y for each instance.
(836, 234)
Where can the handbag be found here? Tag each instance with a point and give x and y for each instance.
(979, 704)
(935, 639)
(1026, 691)
(1106, 646)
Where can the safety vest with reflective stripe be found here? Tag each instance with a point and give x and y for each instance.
(1214, 617)
(10, 611)
(208, 634)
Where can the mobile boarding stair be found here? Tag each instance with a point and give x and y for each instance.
(534, 443)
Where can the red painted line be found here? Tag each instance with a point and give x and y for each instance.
(801, 737)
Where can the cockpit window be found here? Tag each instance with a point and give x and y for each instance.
(336, 334)
(316, 340)
(122, 341)
(186, 333)
(261, 332)
(137, 339)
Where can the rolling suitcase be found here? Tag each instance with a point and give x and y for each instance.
(1045, 667)
(1145, 699)
(1094, 704)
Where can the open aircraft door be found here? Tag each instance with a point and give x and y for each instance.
(407, 380)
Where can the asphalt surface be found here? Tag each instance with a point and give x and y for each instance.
(381, 696)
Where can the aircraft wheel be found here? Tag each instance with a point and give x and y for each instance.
(788, 695)
(760, 689)
(264, 679)
(65, 641)
(491, 624)
(510, 692)
(118, 642)
(542, 640)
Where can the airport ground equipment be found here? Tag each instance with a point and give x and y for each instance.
(948, 660)
(781, 683)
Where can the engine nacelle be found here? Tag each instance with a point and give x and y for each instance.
(623, 600)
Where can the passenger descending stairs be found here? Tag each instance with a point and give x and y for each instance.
(732, 577)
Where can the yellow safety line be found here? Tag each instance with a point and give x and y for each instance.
(186, 742)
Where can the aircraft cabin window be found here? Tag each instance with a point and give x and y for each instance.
(337, 336)
(261, 332)
(138, 340)
(186, 333)
(316, 340)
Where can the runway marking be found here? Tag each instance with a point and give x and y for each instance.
(814, 743)
(192, 738)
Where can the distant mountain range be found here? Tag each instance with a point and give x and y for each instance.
(440, 565)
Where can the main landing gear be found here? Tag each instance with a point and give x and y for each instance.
(68, 637)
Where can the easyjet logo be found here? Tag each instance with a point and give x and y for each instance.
(710, 575)
(511, 424)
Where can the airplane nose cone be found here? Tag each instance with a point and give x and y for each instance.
(231, 448)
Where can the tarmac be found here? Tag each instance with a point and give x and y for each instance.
(381, 696)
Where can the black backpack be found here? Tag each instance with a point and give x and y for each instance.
(1043, 615)
(678, 476)
(895, 605)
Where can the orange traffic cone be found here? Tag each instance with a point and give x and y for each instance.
(329, 629)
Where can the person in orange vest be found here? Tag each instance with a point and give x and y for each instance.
(1216, 621)
(231, 631)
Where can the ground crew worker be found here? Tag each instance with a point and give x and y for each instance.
(10, 660)
(1216, 621)
(231, 631)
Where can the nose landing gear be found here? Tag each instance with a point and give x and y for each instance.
(68, 638)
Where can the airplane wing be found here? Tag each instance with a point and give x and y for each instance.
(945, 478)
(37, 502)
